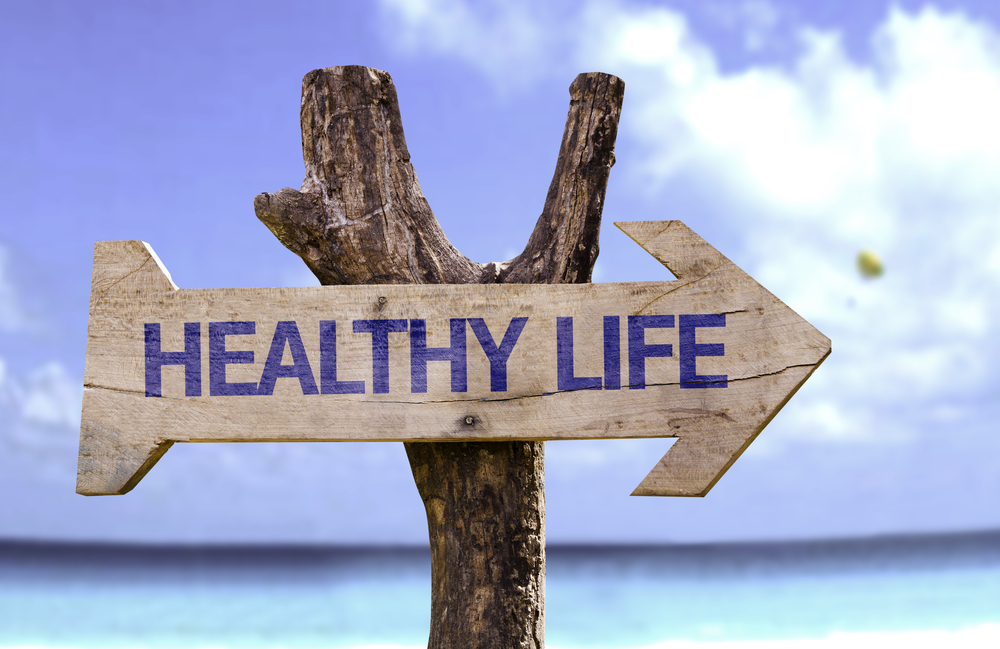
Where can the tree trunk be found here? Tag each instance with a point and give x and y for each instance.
(360, 218)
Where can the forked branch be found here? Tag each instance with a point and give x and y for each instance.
(360, 218)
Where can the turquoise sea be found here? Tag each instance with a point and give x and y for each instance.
(941, 590)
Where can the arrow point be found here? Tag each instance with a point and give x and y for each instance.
(698, 459)
(676, 246)
(692, 466)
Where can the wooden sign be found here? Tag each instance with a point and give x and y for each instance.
(709, 359)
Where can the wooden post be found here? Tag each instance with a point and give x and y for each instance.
(361, 218)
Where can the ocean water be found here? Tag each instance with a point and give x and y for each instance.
(928, 591)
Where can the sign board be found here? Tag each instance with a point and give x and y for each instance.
(709, 359)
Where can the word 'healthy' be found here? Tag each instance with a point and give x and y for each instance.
(286, 333)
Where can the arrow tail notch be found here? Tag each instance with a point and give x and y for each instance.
(112, 461)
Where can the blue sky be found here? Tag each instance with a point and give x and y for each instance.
(790, 135)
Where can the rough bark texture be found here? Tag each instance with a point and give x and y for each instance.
(486, 516)
(563, 246)
(360, 218)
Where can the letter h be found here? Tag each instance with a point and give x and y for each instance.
(190, 358)
(420, 353)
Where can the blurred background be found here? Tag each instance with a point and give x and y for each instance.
(844, 154)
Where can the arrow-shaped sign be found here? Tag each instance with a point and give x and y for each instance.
(709, 359)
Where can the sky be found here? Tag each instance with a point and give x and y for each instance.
(791, 135)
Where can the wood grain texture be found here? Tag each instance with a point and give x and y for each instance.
(564, 244)
(768, 352)
(469, 491)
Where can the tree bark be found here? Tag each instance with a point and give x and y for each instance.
(361, 218)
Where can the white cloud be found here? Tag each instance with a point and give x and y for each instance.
(830, 156)
(39, 424)
(812, 161)
(496, 36)
(52, 397)
(40, 411)
(40, 407)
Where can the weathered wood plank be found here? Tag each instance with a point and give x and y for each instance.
(767, 352)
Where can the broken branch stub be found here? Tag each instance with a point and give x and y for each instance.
(564, 244)
(360, 216)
